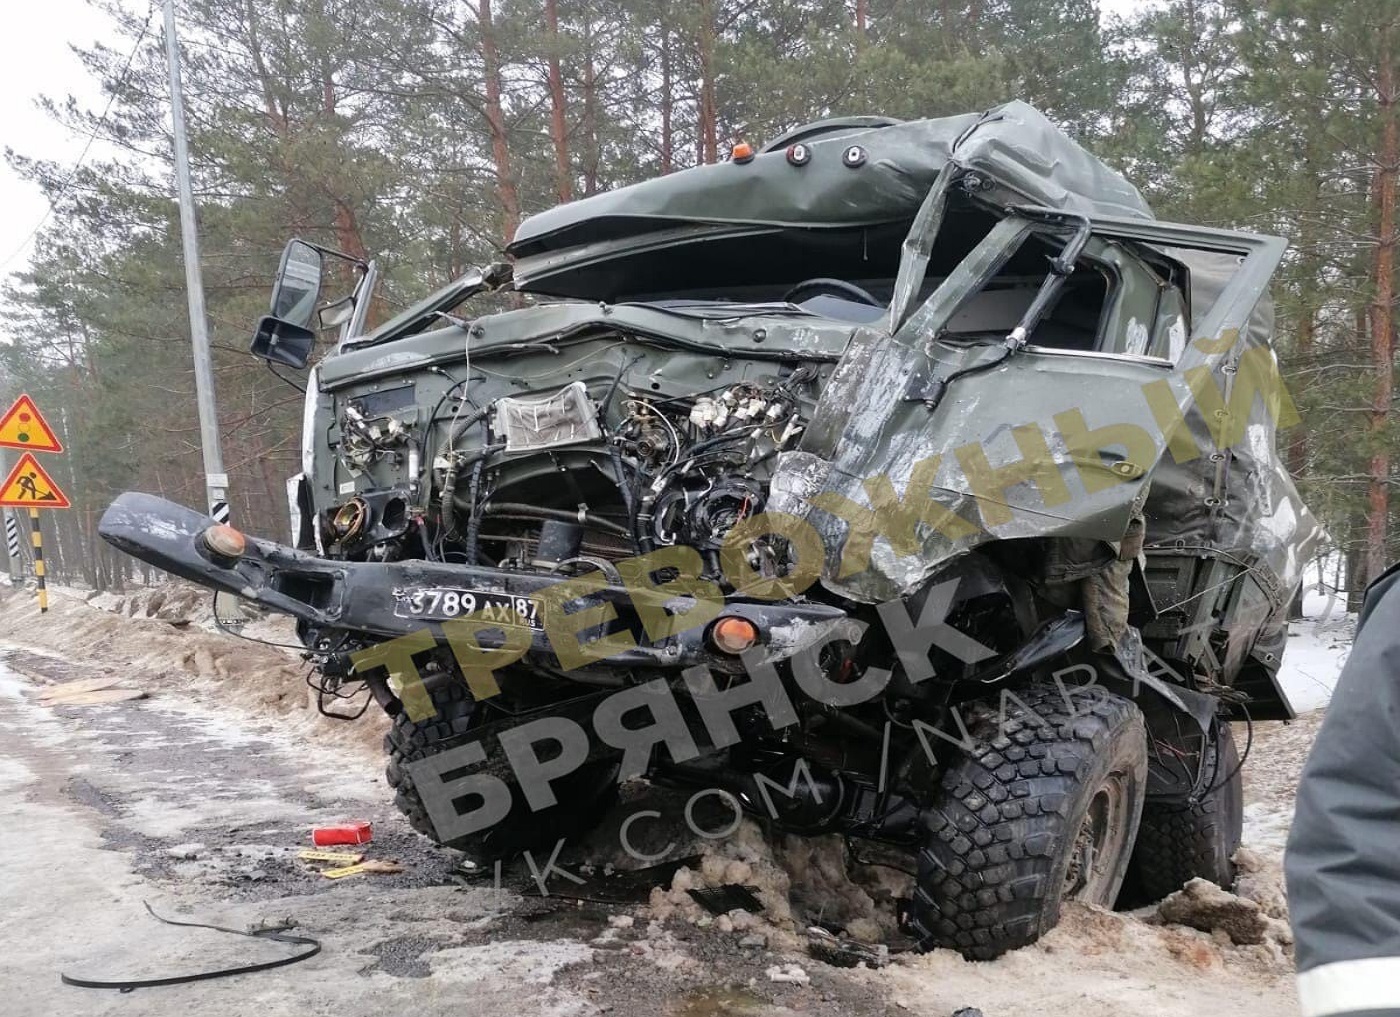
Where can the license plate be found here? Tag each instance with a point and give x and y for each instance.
(440, 603)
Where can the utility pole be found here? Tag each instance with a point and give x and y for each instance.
(215, 479)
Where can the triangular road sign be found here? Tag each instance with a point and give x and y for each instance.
(28, 486)
(23, 426)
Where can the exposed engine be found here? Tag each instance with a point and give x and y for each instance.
(564, 480)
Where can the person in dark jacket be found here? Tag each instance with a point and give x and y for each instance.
(1343, 858)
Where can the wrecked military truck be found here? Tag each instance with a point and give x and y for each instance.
(904, 480)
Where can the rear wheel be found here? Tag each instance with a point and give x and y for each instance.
(1043, 809)
(583, 795)
(1180, 841)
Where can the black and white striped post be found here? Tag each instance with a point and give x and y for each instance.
(12, 538)
(12, 545)
(38, 537)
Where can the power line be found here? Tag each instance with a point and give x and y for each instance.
(101, 122)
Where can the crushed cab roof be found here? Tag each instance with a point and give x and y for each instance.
(1021, 156)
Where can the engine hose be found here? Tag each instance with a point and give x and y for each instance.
(450, 502)
(474, 517)
(612, 389)
(383, 694)
(476, 456)
(640, 534)
(462, 425)
(510, 508)
(737, 434)
(448, 522)
(645, 516)
(640, 543)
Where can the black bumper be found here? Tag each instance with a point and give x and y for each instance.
(360, 597)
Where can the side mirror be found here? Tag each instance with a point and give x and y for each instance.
(281, 342)
(337, 312)
(298, 284)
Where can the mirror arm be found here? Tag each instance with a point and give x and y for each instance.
(282, 377)
(332, 252)
(355, 325)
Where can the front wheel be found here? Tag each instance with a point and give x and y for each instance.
(1044, 808)
(585, 795)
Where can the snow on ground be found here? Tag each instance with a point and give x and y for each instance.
(1122, 965)
(1318, 645)
(1317, 649)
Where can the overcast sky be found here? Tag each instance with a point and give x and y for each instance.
(36, 59)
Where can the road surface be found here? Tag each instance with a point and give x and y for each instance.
(200, 812)
(198, 798)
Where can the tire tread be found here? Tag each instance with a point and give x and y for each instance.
(1001, 820)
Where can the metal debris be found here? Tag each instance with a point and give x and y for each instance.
(720, 900)
(845, 953)
(621, 886)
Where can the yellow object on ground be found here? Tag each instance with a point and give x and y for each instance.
(333, 857)
(373, 865)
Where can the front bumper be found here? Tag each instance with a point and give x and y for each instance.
(360, 596)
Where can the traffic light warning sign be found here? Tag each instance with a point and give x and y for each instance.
(23, 426)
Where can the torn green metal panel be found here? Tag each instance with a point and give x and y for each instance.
(871, 423)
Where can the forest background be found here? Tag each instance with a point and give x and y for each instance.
(420, 132)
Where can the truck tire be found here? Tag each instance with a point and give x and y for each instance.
(1043, 808)
(1178, 842)
(584, 795)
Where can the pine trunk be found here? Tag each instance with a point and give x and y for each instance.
(709, 116)
(1309, 302)
(496, 123)
(347, 226)
(563, 182)
(592, 154)
(668, 103)
(1383, 308)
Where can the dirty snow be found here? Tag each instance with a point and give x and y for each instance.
(1317, 648)
(1123, 965)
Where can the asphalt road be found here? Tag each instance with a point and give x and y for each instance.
(200, 811)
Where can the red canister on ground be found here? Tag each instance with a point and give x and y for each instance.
(355, 832)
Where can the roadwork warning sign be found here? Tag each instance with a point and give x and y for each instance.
(28, 486)
(23, 426)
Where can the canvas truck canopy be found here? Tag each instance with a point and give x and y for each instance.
(847, 202)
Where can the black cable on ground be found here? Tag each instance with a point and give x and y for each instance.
(276, 935)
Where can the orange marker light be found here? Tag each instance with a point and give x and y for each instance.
(742, 153)
(226, 545)
(734, 635)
